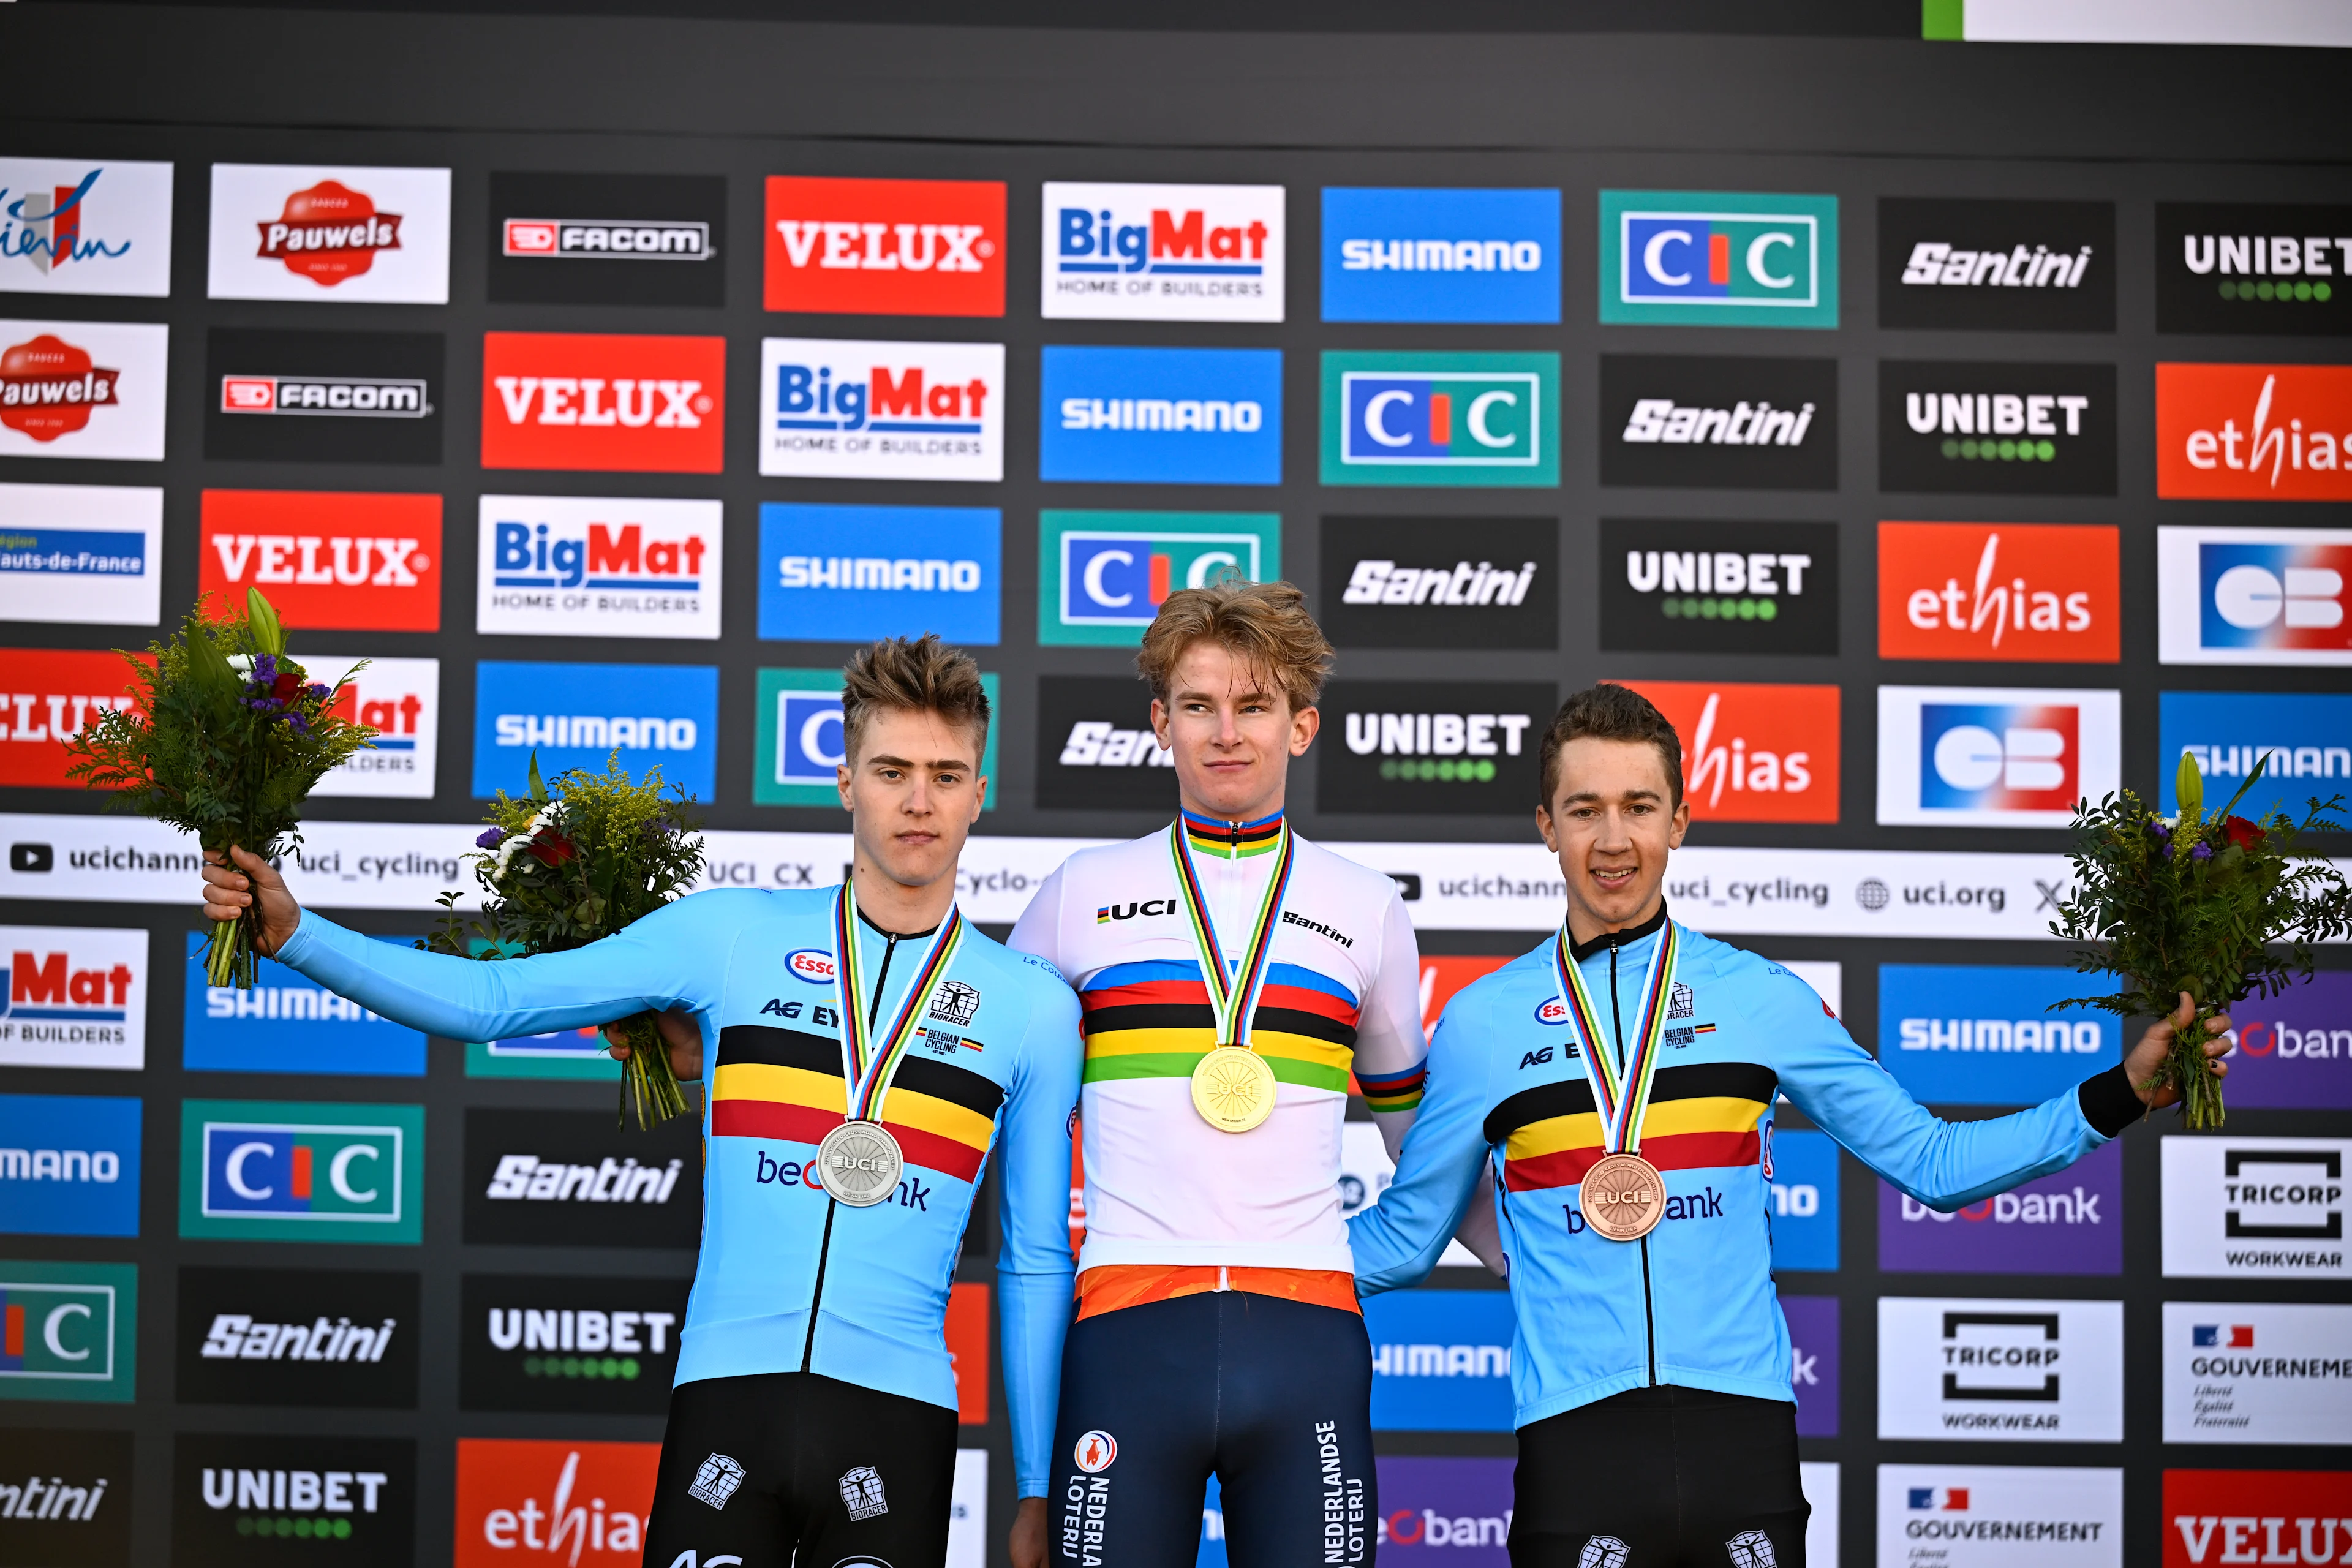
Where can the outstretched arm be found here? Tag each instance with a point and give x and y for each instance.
(1034, 1269)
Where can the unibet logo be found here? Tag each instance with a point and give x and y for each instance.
(1719, 584)
(1440, 419)
(2008, 429)
(2284, 268)
(1474, 737)
(1962, 415)
(1718, 258)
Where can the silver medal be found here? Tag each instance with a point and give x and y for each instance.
(858, 1163)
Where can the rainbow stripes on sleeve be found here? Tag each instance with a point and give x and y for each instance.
(1153, 1019)
(1701, 1117)
(786, 1085)
(1394, 1091)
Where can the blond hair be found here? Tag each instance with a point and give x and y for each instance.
(918, 676)
(1265, 626)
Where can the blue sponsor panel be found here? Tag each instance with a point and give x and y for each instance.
(1440, 1361)
(856, 574)
(1212, 1528)
(1440, 254)
(286, 1024)
(1456, 1512)
(1804, 1198)
(1969, 1034)
(2306, 736)
(578, 715)
(69, 1164)
(1190, 417)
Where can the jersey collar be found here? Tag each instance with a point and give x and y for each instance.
(1229, 840)
(1626, 938)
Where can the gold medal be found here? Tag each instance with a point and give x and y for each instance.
(1233, 1089)
(1623, 1198)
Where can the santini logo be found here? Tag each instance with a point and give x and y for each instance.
(1386, 583)
(558, 238)
(529, 1179)
(1939, 263)
(1095, 744)
(347, 396)
(1660, 420)
(237, 1336)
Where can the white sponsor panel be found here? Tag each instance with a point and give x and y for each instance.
(1365, 1172)
(2255, 1208)
(1819, 1480)
(1963, 1369)
(968, 1511)
(85, 226)
(2257, 1371)
(1999, 1516)
(1162, 253)
(77, 998)
(93, 554)
(598, 566)
(400, 699)
(83, 389)
(310, 231)
(129, 860)
(2253, 595)
(1968, 756)
(839, 409)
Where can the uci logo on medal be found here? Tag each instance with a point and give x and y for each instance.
(1488, 419)
(1718, 258)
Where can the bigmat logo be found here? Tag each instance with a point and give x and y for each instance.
(2253, 269)
(1096, 749)
(66, 1497)
(800, 739)
(287, 1024)
(2241, 1516)
(1413, 746)
(1980, 428)
(89, 555)
(69, 1331)
(2251, 595)
(285, 1171)
(1440, 419)
(1812, 1361)
(400, 699)
(1804, 1194)
(884, 247)
(573, 1345)
(297, 1336)
(1440, 1361)
(1984, 757)
(577, 715)
(241, 1502)
(329, 560)
(324, 397)
(1713, 258)
(1102, 575)
(2306, 736)
(1456, 1512)
(598, 567)
(69, 1164)
(77, 998)
(521, 1501)
(2035, 592)
(285, 231)
(1440, 254)
(2295, 1049)
(2245, 1371)
(839, 409)
(2253, 432)
(608, 239)
(1997, 265)
(1968, 1033)
(1163, 253)
(1753, 754)
(1685, 421)
(2255, 1208)
(1391, 582)
(604, 402)
(2001, 1515)
(570, 1178)
(852, 573)
(69, 226)
(2009, 1371)
(51, 696)
(83, 389)
(1718, 587)
(2071, 1223)
(1207, 416)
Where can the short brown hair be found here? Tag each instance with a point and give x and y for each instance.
(918, 676)
(1611, 712)
(1263, 625)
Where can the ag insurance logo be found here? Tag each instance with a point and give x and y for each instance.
(578, 715)
(884, 247)
(83, 389)
(1978, 757)
(77, 998)
(324, 397)
(2039, 593)
(276, 1171)
(70, 225)
(2255, 1208)
(89, 555)
(2253, 595)
(282, 231)
(608, 239)
(598, 567)
(839, 409)
(1392, 255)
(1162, 253)
(1718, 258)
(69, 1331)
(607, 403)
(1751, 752)
(2001, 1371)
(1981, 428)
(1419, 419)
(1670, 586)
(1102, 575)
(1997, 265)
(1161, 416)
(328, 561)
(2253, 432)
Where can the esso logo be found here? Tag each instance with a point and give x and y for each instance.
(1095, 1452)
(812, 964)
(1553, 1011)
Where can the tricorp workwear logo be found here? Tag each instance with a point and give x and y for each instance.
(1163, 253)
(2255, 1208)
(69, 1331)
(1753, 754)
(1981, 428)
(608, 239)
(69, 226)
(1420, 418)
(83, 389)
(2253, 432)
(2253, 269)
(1718, 258)
(77, 998)
(1161, 416)
(598, 566)
(1968, 757)
(328, 561)
(2041, 593)
(577, 715)
(53, 695)
(1392, 255)
(283, 231)
(841, 408)
(269, 1170)
(89, 555)
(2253, 595)
(884, 247)
(609, 403)
(852, 573)
(1102, 575)
(1957, 1370)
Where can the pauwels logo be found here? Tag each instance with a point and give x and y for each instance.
(50, 697)
(2000, 266)
(2253, 269)
(1427, 746)
(324, 397)
(67, 1330)
(297, 1336)
(1682, 421)
(1163, 253)
(609, 403)
(544, 1178)
(840, 408)
(1985, 428)
(327, 560)
(232, 1492)
(301, 1172)
(522, 1502)
(1416, 419)
(1718, 258)
(296, 232)
(83, 389)
(2253, 432)
(581, 566)
(1718, 587)
(608, 239)
(86, 555)
(77, 998)
(1103, 574)
(1455, 583)
(531, 1342)
(400, 700)
(70, 226)
(1969, 757)
(1754, 753)
(2034, 1372)
(2041, 593)
(2253, 595)
(884, 247)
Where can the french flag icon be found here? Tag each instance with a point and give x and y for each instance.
(2208, 1336)
(1943, 1500)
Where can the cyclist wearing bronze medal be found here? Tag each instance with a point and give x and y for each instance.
(1650, 1365)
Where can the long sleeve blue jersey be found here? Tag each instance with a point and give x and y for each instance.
(789, 1281)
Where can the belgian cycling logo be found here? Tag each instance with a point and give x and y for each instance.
(956, 1002)
(1095, 1452)
(861, 1493)
(715, 1478)
(812, 964)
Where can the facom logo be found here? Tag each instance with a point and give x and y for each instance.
(52, 696)
(333, 396)
(77, 998)
(69, 1164)
(841, 409)
(293, 232)
(1103, 574)
(2043, 593)
(577, 715)
(1973, 757)
(400, 700)
(580, 566)
(1163, 253)
(800, 738)
(1985, 1035)
(2253, 432)
(558, 239)
(2253, 596)
(328, 561)
(83, 389)
(1754, 753)
(69, 1331)
(2306, 737)
(605, 402)
(1161, 416)
(1440, 419)
(1718, 258)
(885, 248)
(1441, 255)
(852, 573)
(89, 555)
(70, 226)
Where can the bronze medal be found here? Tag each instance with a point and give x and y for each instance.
(1623, 1198)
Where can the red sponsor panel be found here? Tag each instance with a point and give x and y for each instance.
(47, 696)
(576, 1503)
(2256, 1516)
(1442, 977)
(1753, 752)
(967, 1332)
(2036, 592)
(328, 561)
(604, 402)
(885, 248)
(2253, 432)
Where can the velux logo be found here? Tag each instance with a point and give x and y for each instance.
(885, 248)
(604, 402)
(368, 563)
(2253, 596)
(2253, 432)
(1754, 753)
(2037, 592)
(50, 697)
(1196, 253)
(2254, 1516)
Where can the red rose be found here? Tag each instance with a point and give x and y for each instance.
(552, 849)
(2243, 834)
(286, 687)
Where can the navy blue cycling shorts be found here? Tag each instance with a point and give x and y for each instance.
(1272, 1397)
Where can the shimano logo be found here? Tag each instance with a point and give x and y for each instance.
(1935, 264)
(1162, 414)
(59, 1165)
(235, 1336)
(343, 396)
(527, 1178)
(1442, 1361)
(1293, 918)
(1662, 421)
(1094, 743)
(664, 240)
(1386, 583)
(650, 732)
(2001, 1034)
(879, 573)
(1440, 256)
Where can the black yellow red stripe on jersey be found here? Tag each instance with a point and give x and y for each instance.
(787, 1084)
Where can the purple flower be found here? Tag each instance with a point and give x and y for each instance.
(265, 668)
(492, 839)
(2156, 825)
(296, 723)
(2202, 852)
(318, 693)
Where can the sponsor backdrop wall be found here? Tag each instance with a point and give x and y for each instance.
(1924, 494)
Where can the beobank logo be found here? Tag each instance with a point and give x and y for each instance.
(328, 561)
(2043, 593)
(1753, 752)
(2256, 1516)
(47, 697)
(522, 1501)
(885, 248)
(2253, 432)
(603, 401)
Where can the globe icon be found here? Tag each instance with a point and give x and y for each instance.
(1872, 894)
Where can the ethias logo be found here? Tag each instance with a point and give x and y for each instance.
(2253, 432)
(2253, 595)
(286, 1171)
(1718, 258)
(2037, 592)
(1754, 753)
(1440, 419)
(1163, 253)
(1986, 758)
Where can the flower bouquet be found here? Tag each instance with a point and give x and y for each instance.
(2214, 905)
(228, 739)
(560, 867)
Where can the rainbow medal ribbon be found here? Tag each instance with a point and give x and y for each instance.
(1233, 1089)
(859, 1163)
(1623, 1196)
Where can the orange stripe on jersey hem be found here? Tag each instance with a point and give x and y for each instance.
(1678, 1151)
(1109, 1287)
(801, 1124)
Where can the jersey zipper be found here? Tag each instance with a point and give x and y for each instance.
(1649, 1309)
(825, 1243)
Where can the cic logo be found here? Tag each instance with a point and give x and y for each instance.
(301, 1172)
